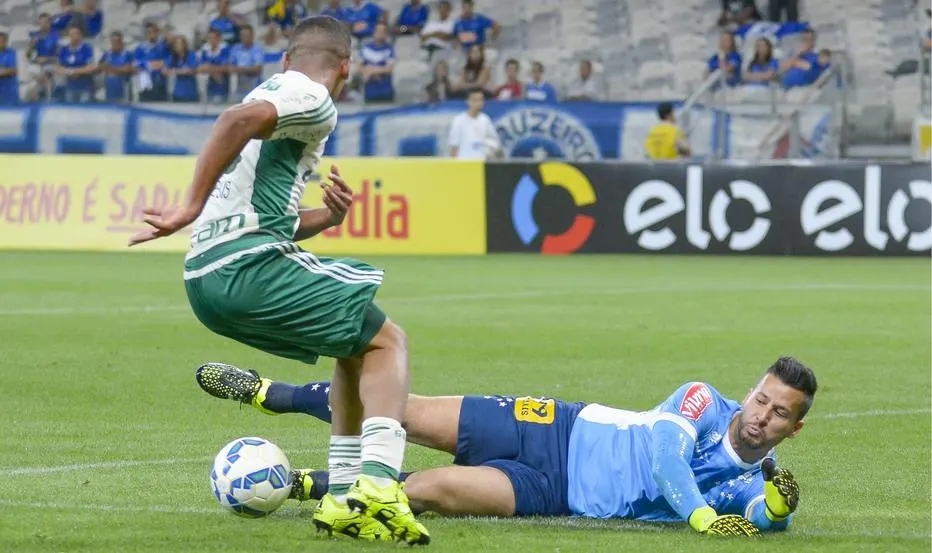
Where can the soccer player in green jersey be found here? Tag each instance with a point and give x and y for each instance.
(246, 279)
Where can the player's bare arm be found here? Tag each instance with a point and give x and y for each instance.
(235, 127)
(337, 198)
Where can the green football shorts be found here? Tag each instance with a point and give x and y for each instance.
(273, 296)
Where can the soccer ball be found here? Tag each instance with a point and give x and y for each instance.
(251, 477)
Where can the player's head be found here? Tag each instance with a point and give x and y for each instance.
(665, 112)
(3, 40)
(475, 101)
(774, 410)
(468, 7)
(320, 44)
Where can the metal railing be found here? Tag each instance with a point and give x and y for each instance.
(789, 123)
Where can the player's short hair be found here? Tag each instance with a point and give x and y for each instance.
(512, 61)
(4, 35)
(321, 35)
(116, 34)
(152, 25)
(213, 32)
(664, 110)
(475, 90)
(797, 376)
(44, 15)
(246, 27)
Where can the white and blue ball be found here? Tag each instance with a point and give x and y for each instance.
(251, 477)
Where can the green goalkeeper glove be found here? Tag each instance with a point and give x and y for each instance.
(706, 521)
(781, 492)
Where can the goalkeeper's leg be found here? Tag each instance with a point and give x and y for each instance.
(431, 422)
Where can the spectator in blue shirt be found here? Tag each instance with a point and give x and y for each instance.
(471, 27)
(9, 83)
(215, 62)
(764, 68)
(226, 23)
(117, 65)
(43, 53)
(182, 63)
(150, 60)
(68, 17)
(412, 18)
(76, 63)
(246, 59)
(378, 61)
(539, 90)
(727, 59)
(93, 18)
(804, 68)
(363, 16)
(43, 43)
(335, 10)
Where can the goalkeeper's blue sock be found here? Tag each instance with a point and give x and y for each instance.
(311, 399)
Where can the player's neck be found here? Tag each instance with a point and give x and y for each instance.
(325, 76)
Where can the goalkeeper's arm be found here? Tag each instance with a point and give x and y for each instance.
(671, 451)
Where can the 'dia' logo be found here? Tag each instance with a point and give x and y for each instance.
(541, 133)
(522, 208)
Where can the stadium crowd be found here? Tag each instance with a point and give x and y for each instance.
(229, 59)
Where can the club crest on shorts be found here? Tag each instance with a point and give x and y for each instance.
(543, 133)
(697, 399)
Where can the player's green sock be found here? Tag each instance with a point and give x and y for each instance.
(383, 449)
(344, 462)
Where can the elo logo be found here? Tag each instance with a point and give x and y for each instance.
(522, 208)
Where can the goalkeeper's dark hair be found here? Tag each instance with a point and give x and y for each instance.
(797, 376)
(321, 36)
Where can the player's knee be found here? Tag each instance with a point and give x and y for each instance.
(430, 490)
(392, 337)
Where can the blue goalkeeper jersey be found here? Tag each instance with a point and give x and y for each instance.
(610, 461)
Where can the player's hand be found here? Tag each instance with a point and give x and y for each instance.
(163, 222)
(706, 521)
(338, 196)
(781, 492)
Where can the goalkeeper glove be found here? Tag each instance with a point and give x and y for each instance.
(781, 492)
(706, 521)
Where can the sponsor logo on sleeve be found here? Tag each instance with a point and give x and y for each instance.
(697, 399)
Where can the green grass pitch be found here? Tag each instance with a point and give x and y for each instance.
(107, 441)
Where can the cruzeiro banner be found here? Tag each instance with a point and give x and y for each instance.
(574, 131)
(849, 209)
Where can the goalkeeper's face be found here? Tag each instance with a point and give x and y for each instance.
(770, 414)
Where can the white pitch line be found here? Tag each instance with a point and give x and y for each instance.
(102, 465)
(875, 413)
(33, 471)
(66, 311)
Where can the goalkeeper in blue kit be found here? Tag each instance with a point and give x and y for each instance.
(697, 457)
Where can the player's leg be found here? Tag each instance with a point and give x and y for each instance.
(383, 388)
(430, 421)
(460, 491)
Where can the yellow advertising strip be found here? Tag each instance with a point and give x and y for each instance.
(401, 206)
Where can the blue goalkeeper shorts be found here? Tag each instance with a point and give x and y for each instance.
(527, 439)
